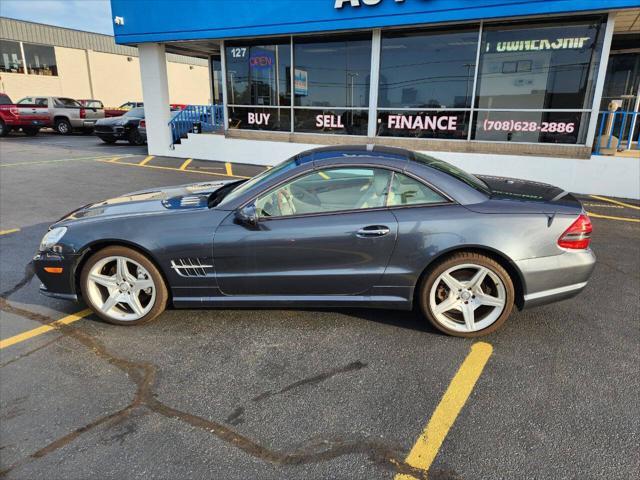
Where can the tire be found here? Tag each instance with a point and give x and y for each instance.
(111, 297)
(110, 141)
(4, 129)
(30, 131)
(63, 126)
(473, 310)
(135, 138)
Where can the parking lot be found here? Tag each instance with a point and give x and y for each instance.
(300, 394)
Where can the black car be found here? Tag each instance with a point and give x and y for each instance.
(112, 129)
(331, 227)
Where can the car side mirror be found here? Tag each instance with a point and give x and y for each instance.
(247, 215)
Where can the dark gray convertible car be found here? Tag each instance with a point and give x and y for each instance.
(331, 227)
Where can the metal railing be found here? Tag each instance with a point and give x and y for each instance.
(208, 118)
(618, 131)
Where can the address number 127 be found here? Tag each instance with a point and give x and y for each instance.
(238, 52)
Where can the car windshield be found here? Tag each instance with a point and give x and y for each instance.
(135, 112)
(260, 179)
(4, 99)
(455, 172)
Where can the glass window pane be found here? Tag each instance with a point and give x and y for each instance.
(533, 66)
(328, 190)
(333, 72)
(257, 118)
(346, 122)
(41, 59)
(408, 191)
(427, 69)
(259, 74)
(10, 57)
(534, 127)
(428, 124)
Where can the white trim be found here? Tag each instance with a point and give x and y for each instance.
(225, 103)
(554, 291)
(24, 59)
(475, 80)
(602, 73)
(374, 82)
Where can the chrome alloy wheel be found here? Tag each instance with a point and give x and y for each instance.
(121, 288)
(467, 298)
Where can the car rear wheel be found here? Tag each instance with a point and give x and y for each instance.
(63, 127)
(467, 295)
(4, 130)
(123, 287)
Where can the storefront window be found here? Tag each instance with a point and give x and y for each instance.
(538, 66)
(41, 59)
(259, 76)
(449, 125)
(427, 69)
(331, 84)
(530, 71)
(10, 57)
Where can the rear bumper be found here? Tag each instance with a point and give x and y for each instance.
(551, 279)
(58, 285)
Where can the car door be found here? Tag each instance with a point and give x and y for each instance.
(327, 232)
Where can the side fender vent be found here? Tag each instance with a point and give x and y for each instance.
(191, 267)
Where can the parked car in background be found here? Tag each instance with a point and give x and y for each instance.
(28, 118)
(130, 105)
(66, 114)
(125, 127)
(108, 112)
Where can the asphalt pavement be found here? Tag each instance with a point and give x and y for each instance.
(300, 394)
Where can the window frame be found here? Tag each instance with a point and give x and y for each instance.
(28, 70)
(447, 199)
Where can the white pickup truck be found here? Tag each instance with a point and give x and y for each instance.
(66, 114)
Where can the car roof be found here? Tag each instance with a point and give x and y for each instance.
(346, 151)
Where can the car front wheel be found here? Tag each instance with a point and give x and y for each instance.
(4, 129)
(123, 287)
(467, 295)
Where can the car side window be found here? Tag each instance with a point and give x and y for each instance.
(408, 191)
(325, 191)
(42, 102)
(25, 101)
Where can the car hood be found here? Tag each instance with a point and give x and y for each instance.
(147, 202)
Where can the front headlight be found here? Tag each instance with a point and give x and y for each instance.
(52, 237)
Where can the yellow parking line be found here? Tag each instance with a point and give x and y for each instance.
(7, 232)
(622, 219)
(146, 160)
(114, 159)
(103, 157)
(21, 337)
(617, 202)
(185, 164)
(158, 167)
(229, 169)
(426, 447)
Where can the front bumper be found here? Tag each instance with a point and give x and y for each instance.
(59, 285)
(555, 278)
(111, 133)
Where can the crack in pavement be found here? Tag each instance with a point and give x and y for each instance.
(143, 375)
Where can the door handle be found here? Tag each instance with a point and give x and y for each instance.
(373, 231)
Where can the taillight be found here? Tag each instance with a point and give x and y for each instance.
(83, 113)
(578, 235)
(142, 124)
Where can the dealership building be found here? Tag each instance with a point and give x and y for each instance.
(43, 60)
(545, 90)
